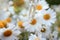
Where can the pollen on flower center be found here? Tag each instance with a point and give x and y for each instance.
(20, 24)
(36, 38)
(34, 21)
(38, 7)
(7, 33)
(43, 30)
(2, 25)
(46, 16)
(8, 20)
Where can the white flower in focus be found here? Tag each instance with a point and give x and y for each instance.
(47, 17)
(33, 24)
(41, 5)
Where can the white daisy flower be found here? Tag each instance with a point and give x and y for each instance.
(34, 37)
(9, 33)
(55, 35)
(20, 25)
(4, 22)
(45, 31)
(32, 25)
(41, 5)
(46, 17)
(22, 18)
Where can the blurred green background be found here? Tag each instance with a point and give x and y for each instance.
(53, 2)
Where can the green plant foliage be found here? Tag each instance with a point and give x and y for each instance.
(24, 36)
(53, 2)
(17, 9)
(59, 34)
(58, 19)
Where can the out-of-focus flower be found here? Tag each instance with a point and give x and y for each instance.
(20, 24)
(29, 17)
(34, 37)
(4, 23)
(9, 33)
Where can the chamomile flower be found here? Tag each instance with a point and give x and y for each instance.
(45, 31)
(41, 5)
(34, 37)
(48, 17)
(32, 25)
(4, 18)
(9, 33)
(20, 24)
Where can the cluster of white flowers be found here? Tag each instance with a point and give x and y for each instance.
(35, 17)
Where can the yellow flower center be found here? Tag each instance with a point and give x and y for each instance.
(34, 21)
(38, 7)
(5, 23)
(36, 38)
(20, 24)
(46, 16)
(8, 20)
(7, 33)
(2, 24)
(43, 30)
(18, 3)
